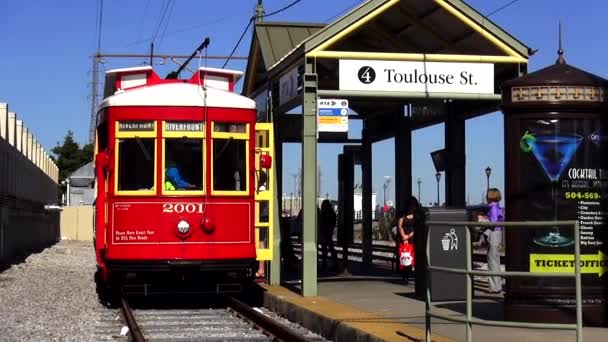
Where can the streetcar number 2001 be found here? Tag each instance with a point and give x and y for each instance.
(183, 208)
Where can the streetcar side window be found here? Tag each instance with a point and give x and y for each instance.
(230, 158)
(183, 164)
(135, 164)
(229, 164)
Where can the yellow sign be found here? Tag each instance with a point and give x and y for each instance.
(564, 263)
(330, 120)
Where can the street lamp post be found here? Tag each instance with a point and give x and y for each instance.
(419, 183)
(488, 173)
(438, 176)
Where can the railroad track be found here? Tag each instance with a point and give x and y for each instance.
(236, 322)
(381, 252)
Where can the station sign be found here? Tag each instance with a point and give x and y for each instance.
(332, 115)
(410, 76)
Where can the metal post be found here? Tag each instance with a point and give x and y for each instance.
(366, 200)
(438, 177)
(469, 331)
(488, 173)
(579, 290)
(277, 172)
(427, 312)
(309, 175)
(419, 197)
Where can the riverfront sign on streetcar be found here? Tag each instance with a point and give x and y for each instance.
(332, 115)
(406, 76)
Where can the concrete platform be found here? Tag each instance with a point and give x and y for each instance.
(374, 304)
(338, 321)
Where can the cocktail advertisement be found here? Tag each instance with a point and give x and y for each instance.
(563, 173)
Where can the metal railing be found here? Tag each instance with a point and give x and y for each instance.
(469, 320)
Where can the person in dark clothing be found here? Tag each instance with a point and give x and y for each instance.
(327, 225)
(410, 223)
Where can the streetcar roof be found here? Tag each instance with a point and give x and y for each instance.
(178, 95)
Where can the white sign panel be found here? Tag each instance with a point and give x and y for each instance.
(332, 115)
(288, 86)
(432, 77)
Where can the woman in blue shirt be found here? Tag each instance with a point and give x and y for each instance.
(495, 214)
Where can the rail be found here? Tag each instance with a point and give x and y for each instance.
(382, 252)
(267, 324)
(469, 320)
(269, 327)
(134, 329)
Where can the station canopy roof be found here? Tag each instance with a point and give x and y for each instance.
(408, 30)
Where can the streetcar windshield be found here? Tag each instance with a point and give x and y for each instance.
(135, 164)
(183, 164)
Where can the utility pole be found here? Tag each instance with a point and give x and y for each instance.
(94, 97)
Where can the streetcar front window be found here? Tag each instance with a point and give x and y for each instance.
(229, 164)
(183, 164)
(135, 164)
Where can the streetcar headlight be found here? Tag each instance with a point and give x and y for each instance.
(183, 227)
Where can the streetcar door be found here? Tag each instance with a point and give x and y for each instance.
(265, 192)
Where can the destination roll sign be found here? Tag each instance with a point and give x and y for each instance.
(407, 76)
(136, 126)
(184, 126)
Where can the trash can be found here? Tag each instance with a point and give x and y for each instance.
(447, 249)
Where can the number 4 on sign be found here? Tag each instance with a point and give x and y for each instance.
(366, 75)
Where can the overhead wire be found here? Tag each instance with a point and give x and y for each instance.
(502, 7)
(282, 9)
(162, 18)
(343, 11)
(99, 24)
(239, 42)
(249, 24)
(185, 29)
(162, 36)
(143, 19)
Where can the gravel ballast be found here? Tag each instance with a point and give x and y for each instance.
(51, 297)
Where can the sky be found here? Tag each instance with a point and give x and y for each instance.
(46, 48)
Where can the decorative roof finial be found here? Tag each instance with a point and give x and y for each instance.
(259, 12)
(560, 52)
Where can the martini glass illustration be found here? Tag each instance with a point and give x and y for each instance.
(553, 153)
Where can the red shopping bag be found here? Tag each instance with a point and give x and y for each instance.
(406, 255)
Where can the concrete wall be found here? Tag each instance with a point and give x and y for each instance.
(77, 223)
(26, 186)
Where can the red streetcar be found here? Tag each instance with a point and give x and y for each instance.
(182, 176)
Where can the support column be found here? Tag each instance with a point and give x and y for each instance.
(366, 202)
(309, 184)
(403, 161)
(455, 147)
(279, 229)
(346, 183)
